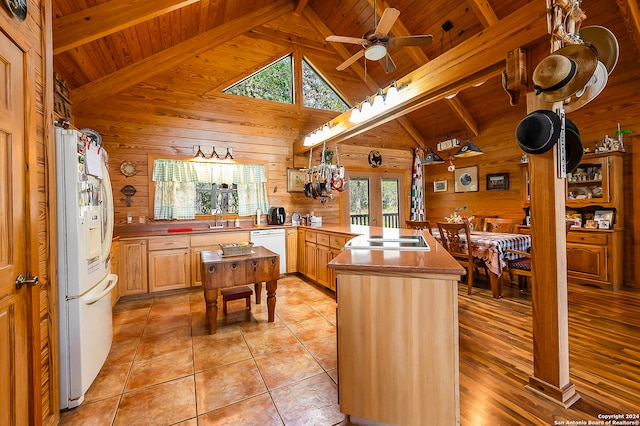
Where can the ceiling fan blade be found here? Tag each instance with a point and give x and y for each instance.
(343, 39)
(416, 40)
(387, 64)
(351, 60)
(387, 20)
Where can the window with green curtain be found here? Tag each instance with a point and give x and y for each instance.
(176, 182)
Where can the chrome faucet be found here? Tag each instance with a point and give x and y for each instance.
(218, 217)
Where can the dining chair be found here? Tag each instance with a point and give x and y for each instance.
(419, 224)
(521, 266)
(496, 224)
(477, 223)
(450, 236)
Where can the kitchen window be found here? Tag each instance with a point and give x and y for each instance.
(185, 189)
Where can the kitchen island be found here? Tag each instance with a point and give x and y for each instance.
(398, 334)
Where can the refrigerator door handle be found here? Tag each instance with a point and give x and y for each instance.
(111, 277)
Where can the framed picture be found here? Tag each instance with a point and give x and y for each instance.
(466, 179)
(604, 224)
(497, 181)
(296, 180)
(605, 218)
(591, 224)
(440, 186)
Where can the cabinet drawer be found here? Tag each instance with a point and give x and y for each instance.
(323, 239)
(310, 236)
(165, 243)
(599, 238)
(337, 242)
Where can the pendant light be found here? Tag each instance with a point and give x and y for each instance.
(468, 150)
(431, 158)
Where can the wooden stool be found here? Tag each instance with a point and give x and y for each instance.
(234, 294)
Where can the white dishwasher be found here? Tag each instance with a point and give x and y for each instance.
(274, 240)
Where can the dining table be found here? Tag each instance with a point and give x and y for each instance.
(490, 247)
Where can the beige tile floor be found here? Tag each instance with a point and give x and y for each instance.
(164, 368)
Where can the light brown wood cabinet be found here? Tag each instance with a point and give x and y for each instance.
(169, 264)
(292, 250)
(310, 254)
(594, 256)
(320, 247)
(133, 266)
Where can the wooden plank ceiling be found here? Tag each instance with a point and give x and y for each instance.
(103, 47)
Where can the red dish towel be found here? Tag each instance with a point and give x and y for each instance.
(180, 230)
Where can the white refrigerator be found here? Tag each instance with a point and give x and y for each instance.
(85, 231)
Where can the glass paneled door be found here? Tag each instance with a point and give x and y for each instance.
(374, 199)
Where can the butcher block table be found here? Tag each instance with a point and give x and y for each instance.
(261, 265)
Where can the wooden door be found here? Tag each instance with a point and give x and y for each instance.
(374, 199)
(14, 327)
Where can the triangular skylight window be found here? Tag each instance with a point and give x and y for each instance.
(273, 83)
(317, 93)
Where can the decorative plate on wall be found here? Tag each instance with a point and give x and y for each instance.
(18, 8)
(375, 159)
(128, 168)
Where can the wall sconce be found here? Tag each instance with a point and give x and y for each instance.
(210, 153)
(228, 156)
(370, 107)
(468, 150)
(199, 153)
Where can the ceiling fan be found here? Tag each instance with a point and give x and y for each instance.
(376, 41)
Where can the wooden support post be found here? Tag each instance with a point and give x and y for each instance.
(549, 290)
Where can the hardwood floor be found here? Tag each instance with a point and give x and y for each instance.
(163, 364)
(496, 358)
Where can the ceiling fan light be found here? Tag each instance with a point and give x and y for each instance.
(375, 52)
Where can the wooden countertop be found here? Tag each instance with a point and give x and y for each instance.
(435, 261)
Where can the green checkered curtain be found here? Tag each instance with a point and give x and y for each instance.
(175, 195)
(176, 190)
(174, 200)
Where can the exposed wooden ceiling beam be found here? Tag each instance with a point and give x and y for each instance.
(300, 6)
(420, 58)
(484, 12)
(90, 24)
(464, 65)
(115, 82)
(630, 12)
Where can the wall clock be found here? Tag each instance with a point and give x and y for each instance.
(128, 168)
